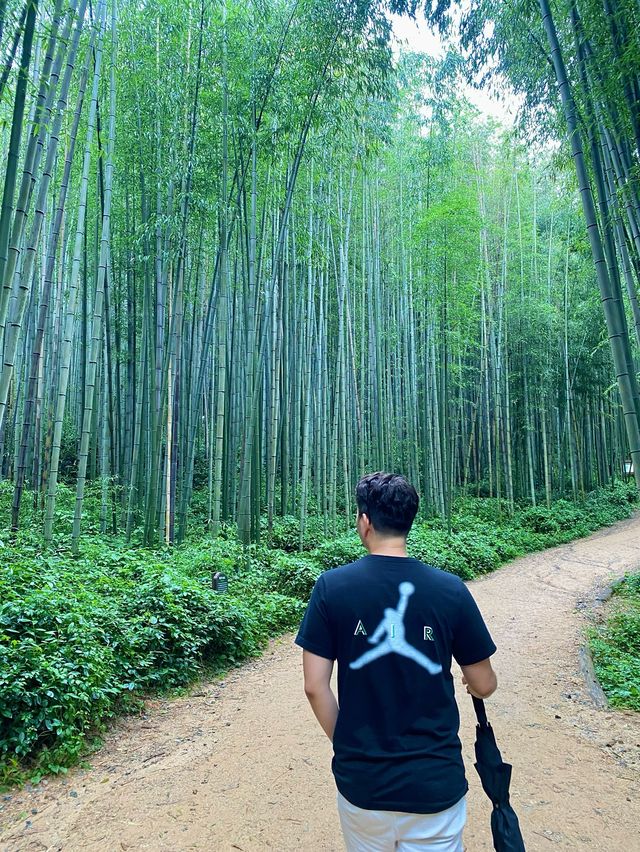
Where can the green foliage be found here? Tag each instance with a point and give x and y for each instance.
(477, 551)
(564, 521)
(294, 575)
(82, 640)
(339, 551)
(435, 547)
(487, 509)
(285, 534)
(615, 647)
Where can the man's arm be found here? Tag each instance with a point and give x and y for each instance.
(480, 679)
(473, 646)
(317, 677)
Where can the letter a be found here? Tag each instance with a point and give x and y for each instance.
(360, 631)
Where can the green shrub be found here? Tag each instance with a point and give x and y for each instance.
(529, 541)
(539, 519)
(477, 552)
(615, 647)
(204, 557)
(618, 673)
(294, 575)
(285, 534)
(435, 547)
(339, 551)
(629, 587)
(506, 543)
(488, 509)
(57, 678)
(81, 639)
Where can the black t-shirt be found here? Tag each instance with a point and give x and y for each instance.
(393, 624)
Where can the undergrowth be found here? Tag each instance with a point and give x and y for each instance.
(615, 646)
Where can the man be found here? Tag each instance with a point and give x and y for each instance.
(393, 624)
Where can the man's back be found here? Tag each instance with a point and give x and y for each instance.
(393, 624)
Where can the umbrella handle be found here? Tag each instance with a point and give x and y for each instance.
(481, 713)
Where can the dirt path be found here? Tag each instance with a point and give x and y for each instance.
(241, 764)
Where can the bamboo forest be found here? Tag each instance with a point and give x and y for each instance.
(252, 250)
(244, 253)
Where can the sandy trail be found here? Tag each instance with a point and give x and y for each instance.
(242, 765)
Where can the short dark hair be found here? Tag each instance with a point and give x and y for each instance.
(389, 501)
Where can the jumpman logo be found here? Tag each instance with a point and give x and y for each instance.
(395, 643)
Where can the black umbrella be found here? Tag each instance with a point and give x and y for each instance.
(495, 776)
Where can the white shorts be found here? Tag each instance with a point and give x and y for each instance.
(384, 831)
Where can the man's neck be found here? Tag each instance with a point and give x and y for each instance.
(388, 547)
